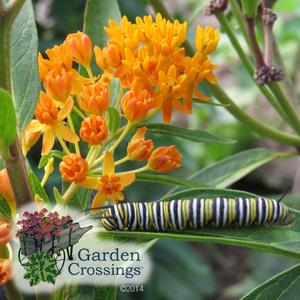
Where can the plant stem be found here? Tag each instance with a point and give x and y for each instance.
(77, 150)
(237, 13)
(63, 145)
(136, 171)
(15, 164)
(285, 104)
(254, 45)
(70, 192)
(248, 65)
(223, 98)
(12, 292)
(263, 130)
(79, 112)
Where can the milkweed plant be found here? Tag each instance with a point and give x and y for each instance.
(110, 88)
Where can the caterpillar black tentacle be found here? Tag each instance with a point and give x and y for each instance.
(196, 213)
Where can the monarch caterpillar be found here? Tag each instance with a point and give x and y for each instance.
(196, 213)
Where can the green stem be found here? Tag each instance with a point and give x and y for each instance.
(70, 192)
(285, 104)
(223, 98)
(12, 292)
(263, 130)
(15, 164)
(237, 13)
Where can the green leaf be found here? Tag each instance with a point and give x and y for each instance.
(58, 197)
(8, 122)
(37, 188)
(284, 285)
(280, 240)
(229, 170)
(5, 211)
(114, 120)
(44, 159)
(96, 16)
(195, 135)
(166, 179)
(25, 78)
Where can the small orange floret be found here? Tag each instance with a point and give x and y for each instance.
(165, 159)
(46, 111)
(73, 168)
(94, 99)
(6, 188)
(93, 130)
(138, 148)
(80, 47)
(110, 184)
(6, 270)
(108, 57)
(136, 105)
(58, 84)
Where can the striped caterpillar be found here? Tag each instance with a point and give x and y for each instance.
(197, 213)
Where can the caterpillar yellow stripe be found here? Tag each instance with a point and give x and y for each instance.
(196, 213)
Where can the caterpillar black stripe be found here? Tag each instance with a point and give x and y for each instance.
(197, 213)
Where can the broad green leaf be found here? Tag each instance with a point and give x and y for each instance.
(229, 170)
(25, 77)
(8, 125)
(195, 135)
(284, 285)
(166, 179)
(96, 16)
(37, 188)
(280, 240)
(114, 120)
(44, 159)
(5, 211)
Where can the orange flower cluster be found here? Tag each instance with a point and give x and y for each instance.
(148, 58)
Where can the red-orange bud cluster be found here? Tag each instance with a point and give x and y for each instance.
(73, 168)
(165, 159)
(93, 130)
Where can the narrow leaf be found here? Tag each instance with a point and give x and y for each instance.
(166, 179)
(25, 78)
(58, 197)
(195, 135)
(37, 188)
(44, 159)
(284, 285)
(231, 169)
(5, 211)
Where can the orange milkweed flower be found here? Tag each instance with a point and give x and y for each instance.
(165, 159)
(73, 168)
(80, 46)
(6, 189)
(5, 233)
(206, 39)
(58, 84)
(94, 99)
(58, 56)
(49, 121)
(110, 185)
(29, 139)
(6, 270)
(109, 56)
(93, 130)
(172, 88)
(138, 148)
(136, 105)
